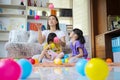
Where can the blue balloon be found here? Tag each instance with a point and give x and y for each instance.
(66, 56)
(63, 60)
(80, 66)
(26, 68)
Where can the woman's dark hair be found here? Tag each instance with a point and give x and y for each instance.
(80, 35)
(51, 37)
(57, 25)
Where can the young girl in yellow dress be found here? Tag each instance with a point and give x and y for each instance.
(51, 50)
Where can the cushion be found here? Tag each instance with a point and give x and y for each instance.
(18, 36)
(33, 37)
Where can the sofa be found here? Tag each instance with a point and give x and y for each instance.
(25, 44)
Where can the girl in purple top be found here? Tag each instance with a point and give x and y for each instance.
(77, 45)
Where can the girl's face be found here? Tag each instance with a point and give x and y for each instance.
(73, 35)
(52, 21)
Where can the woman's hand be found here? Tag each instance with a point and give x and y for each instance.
(38, 25)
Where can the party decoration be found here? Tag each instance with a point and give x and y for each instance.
(66, 60)
(52, 45)
(58, 61)
(9, 70)
(96, 69)
(51, 6)
(36, 17)
(80, 66)
(66, 56)
(88, 59)
(109, 60)
(56, 40)
(36, 61)
(32, 61)
(63, 60)
(26, 68)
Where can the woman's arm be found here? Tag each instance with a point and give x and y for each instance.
(41, 38)
(80, 53)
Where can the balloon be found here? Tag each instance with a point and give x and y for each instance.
(58, 61)
(26, 68)
(51, 6)
(66, 56)
(63, 60)
(88, 59)
(9, 70)
(32, 61)
(80, 66)
(52, 45)
(96, 69)
(36, 61)
(56, 40)
(109, 60)
(66, 60)
(36, 17)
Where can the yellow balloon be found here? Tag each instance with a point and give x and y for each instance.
(96, 69)
(52, 45)
(58, 61)
(66, 60)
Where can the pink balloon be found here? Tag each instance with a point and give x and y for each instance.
(36, 17)
(22, 0)
(9, 70)
(88, 59)
(51, 6)
(56, 40)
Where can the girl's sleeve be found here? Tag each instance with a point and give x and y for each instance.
(78, 45)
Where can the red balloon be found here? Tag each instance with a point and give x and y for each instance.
(9, 70)
(32, 61)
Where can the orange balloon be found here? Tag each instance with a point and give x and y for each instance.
(36, 61)
(109, 60)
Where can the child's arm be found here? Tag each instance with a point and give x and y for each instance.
(46, 47)
(80, 53)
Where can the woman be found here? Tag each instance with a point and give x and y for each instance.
(52, 26)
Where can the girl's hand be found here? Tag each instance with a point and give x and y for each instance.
(48, 47)
(38, 25)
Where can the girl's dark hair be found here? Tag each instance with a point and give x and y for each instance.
(51, 37)
(57, 25)
(80, 35)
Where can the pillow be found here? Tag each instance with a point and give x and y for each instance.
(33, 37)
(18, 36)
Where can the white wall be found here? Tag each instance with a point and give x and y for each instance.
(81, 15)
(62, 3)
(81, 19)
